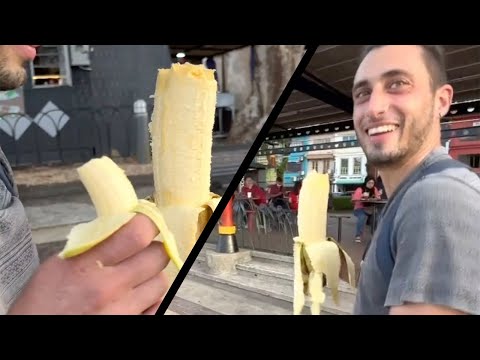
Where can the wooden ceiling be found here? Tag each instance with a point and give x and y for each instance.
(330, 73)
(195, 53)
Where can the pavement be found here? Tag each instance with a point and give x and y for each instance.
(62, 181)
(52, 218)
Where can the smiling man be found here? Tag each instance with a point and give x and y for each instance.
(423, 258)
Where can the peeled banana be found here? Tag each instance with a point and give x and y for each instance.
(116, 203)
(316, 256)
(181, 131)
(182, 136)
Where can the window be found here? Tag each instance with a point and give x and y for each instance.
(51, 66)
(294, 167)
(472, 160)
(323, 166)
(350, 138)
(357, 166)
(344, 167)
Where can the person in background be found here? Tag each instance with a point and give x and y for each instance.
(276, 193)
(294, 195)
(361, 210)
(252, 190)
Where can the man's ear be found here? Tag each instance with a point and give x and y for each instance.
(444, 98)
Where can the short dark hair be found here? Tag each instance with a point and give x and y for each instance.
(434, 58)
(279, 179)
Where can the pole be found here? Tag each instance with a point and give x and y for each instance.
(142, 134)
(227, 242)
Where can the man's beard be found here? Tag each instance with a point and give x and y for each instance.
(11, 79)
(378, 157)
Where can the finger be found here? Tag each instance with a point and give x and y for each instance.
(129, 240)
(152, 310)
(139, 299)
(143, 266)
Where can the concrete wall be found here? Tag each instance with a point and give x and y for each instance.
(256, 76)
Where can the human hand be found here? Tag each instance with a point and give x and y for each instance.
(121, 275)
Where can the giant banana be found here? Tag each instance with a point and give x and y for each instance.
(316, 256)
(181, 131)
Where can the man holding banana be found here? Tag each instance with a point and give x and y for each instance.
(423, 258)
(122, 275)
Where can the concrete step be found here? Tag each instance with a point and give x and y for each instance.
(196, 295)
(170, 312)
(269, 288)
(52, 223)
(271, 256)
(268, 268)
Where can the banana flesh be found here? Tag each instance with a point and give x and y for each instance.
(181, 139)
(316, 256)
(116, 203)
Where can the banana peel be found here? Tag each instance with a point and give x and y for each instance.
(316, 266)
(187, 224)
(317, 258)
(116, 203)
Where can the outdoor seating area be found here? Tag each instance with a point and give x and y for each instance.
(258, 225)
(269, 227)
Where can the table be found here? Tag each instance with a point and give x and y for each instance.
(375, 203)
(339, 217)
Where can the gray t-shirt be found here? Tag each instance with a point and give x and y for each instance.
(18, 253)
(436, 240)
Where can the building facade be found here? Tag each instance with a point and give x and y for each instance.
(78, 102)
(465, 149)
(346, 165)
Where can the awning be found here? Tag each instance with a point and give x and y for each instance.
(349, 180)
(311, 156)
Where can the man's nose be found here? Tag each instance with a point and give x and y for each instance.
(378, 103)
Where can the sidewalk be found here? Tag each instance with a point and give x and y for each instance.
(35, 182)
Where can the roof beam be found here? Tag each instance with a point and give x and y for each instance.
(324, 93)
(456, 110)
(325, 128)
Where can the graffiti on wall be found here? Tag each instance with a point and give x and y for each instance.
(15, 122)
